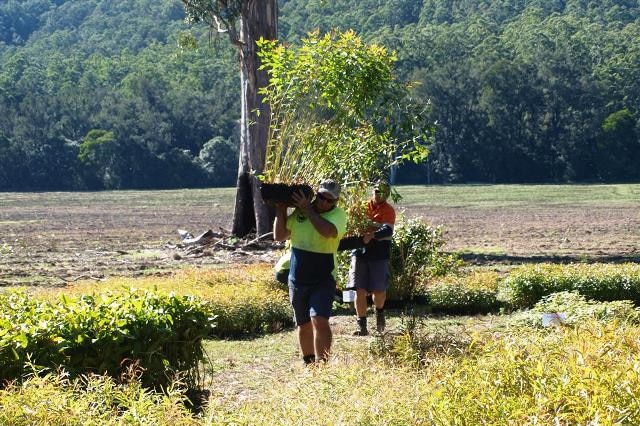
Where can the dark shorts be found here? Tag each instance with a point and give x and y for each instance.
(311, 300)
(370, 275)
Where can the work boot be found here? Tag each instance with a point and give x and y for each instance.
(381, 322)
(362, 327)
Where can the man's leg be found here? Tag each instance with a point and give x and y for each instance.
(321, 303)
(360, 304)
(306, 341)
(358, 275)
(321, 337)
(299, 297)
(379, 298)
(380, 276)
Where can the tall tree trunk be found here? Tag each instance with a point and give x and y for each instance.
(259, 19)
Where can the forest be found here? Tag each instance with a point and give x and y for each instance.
(98, 94)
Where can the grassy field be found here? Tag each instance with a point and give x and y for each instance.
(488, 196)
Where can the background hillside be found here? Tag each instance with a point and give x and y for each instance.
(99, 94)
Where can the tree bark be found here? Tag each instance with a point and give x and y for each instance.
(251, 214)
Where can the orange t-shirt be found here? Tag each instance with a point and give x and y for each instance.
(381, 213)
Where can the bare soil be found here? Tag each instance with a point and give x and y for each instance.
(540, 233)
(54, 238)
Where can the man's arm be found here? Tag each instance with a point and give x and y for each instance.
(280, 231)
(323, 226)
(384, 232)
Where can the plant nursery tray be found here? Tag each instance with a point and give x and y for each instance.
(282, 192)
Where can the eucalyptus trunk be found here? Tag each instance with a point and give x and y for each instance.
(259, 19)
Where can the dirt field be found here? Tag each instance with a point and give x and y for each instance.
(54, 238)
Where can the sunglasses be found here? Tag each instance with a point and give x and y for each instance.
(325, 198)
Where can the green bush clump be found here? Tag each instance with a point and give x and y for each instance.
(469, 294)
(246, 303)
(526, 285)
(105, 334)
(416, 255)
(578, 309)
(245, 300)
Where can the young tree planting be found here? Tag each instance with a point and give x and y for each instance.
(337, 111)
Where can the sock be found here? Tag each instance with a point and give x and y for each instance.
(362, 322)
(309, 359)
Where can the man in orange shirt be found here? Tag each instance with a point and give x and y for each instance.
(369, 270)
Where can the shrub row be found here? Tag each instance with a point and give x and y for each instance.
(245, 300)
(105, 334)
(577, 309)
(470, 294)
(526, 285)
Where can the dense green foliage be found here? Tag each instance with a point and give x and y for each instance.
(522, 91)
(80, 70)
(105, 334)
(417, 256)
(526, 285)
(468, 294)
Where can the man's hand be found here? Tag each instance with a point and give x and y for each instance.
(368, 236)
(302, 202)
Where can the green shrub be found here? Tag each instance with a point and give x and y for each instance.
(105, 334)
(469, 294)
(578, 309)
(526, 285)
(416, 255)
(246, 300)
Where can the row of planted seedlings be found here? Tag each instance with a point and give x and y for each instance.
(525, 286)
(154, 325)
(422, 273)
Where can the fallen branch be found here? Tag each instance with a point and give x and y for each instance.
(79, 277)
(258, 239)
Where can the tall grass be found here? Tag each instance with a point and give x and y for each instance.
(54, 400)
(584, 375)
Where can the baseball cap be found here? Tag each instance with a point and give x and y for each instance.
(330, 187)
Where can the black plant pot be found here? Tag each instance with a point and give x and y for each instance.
(282, 192)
